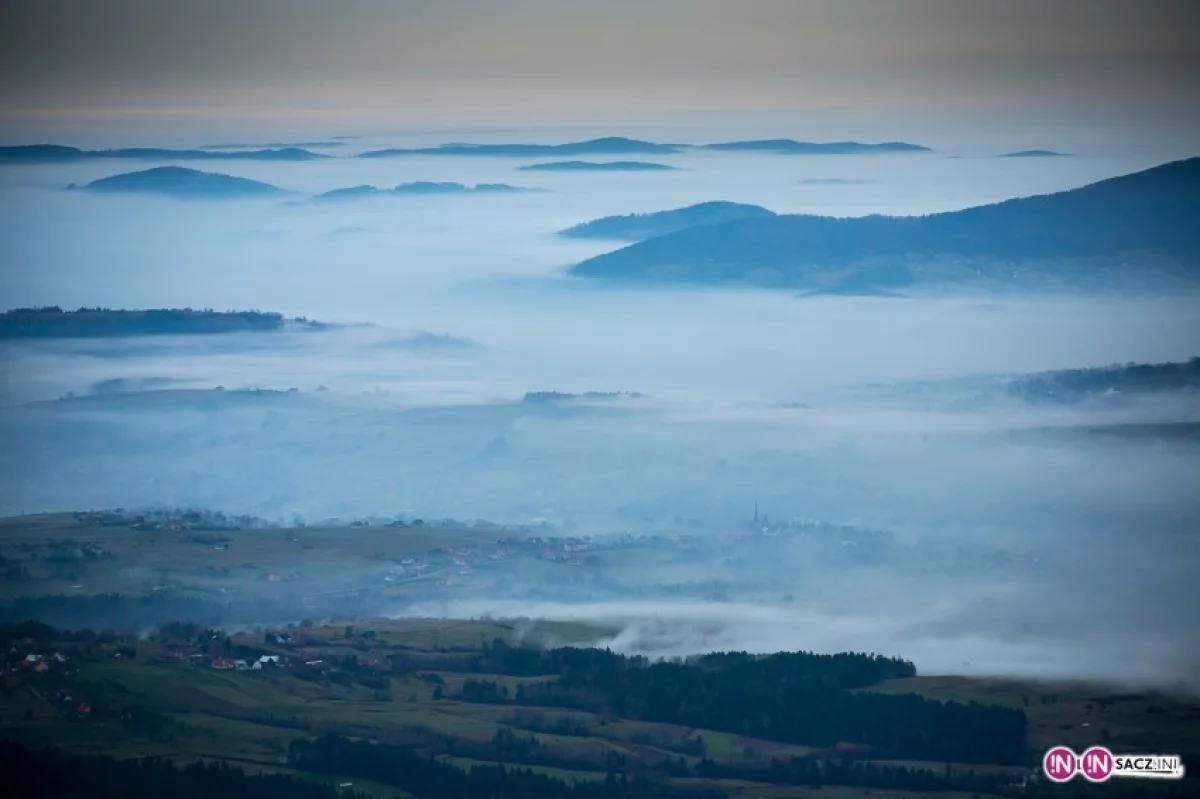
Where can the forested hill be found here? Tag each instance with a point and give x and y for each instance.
(1070, 385)
(635, 227)
(54, 322)
(759, 697)
(1156, 211)
(178, 181)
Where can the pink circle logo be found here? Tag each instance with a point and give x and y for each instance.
(1060, 763)
(1096, 764)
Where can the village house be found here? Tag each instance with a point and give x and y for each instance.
(222, 663)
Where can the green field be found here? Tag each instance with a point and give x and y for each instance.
(401, 685)
(250, 718)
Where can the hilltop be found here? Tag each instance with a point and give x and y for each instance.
(1034, 154)
(611, 145)
(54, 322)
(793, 147)
(593, 166)
(422, 187)
(54, 153)
(1079, 237)
(635, 227)
(178, 181)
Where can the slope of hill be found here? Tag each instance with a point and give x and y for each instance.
(52, 153)
(349, 193)
(793, 147)
(635, 227)
(1072, 385)
(597, 166)
(1071, 236)
(178, 181)
(870, 726)
(612, 145)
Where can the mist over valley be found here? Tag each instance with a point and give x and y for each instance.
(400, 405)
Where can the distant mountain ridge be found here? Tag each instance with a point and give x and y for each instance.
(54, 153)
(271, 145)
(54, 322)
(284, 151)
(598, 166)
(181, 182)
(618, 145)
(1156, 211)
(178, 181)
(635, 227)
(793, 147)
(422, 187)
(611, 145)
(1034, 154)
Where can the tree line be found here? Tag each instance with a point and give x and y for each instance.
(800, 698)
(54, 322)
(1068, 385)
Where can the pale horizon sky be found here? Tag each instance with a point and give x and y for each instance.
(369, 63)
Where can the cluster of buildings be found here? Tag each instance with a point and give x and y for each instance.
(68, 705)
(66, 551)
(30, 668)
(21, 665)
(239, 664)
(174, 519)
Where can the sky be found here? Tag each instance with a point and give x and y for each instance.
(562, 62)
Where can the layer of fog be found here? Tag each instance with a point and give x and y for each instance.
(440, 432)
(701, 347)
(385, 259)
(940, 638)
